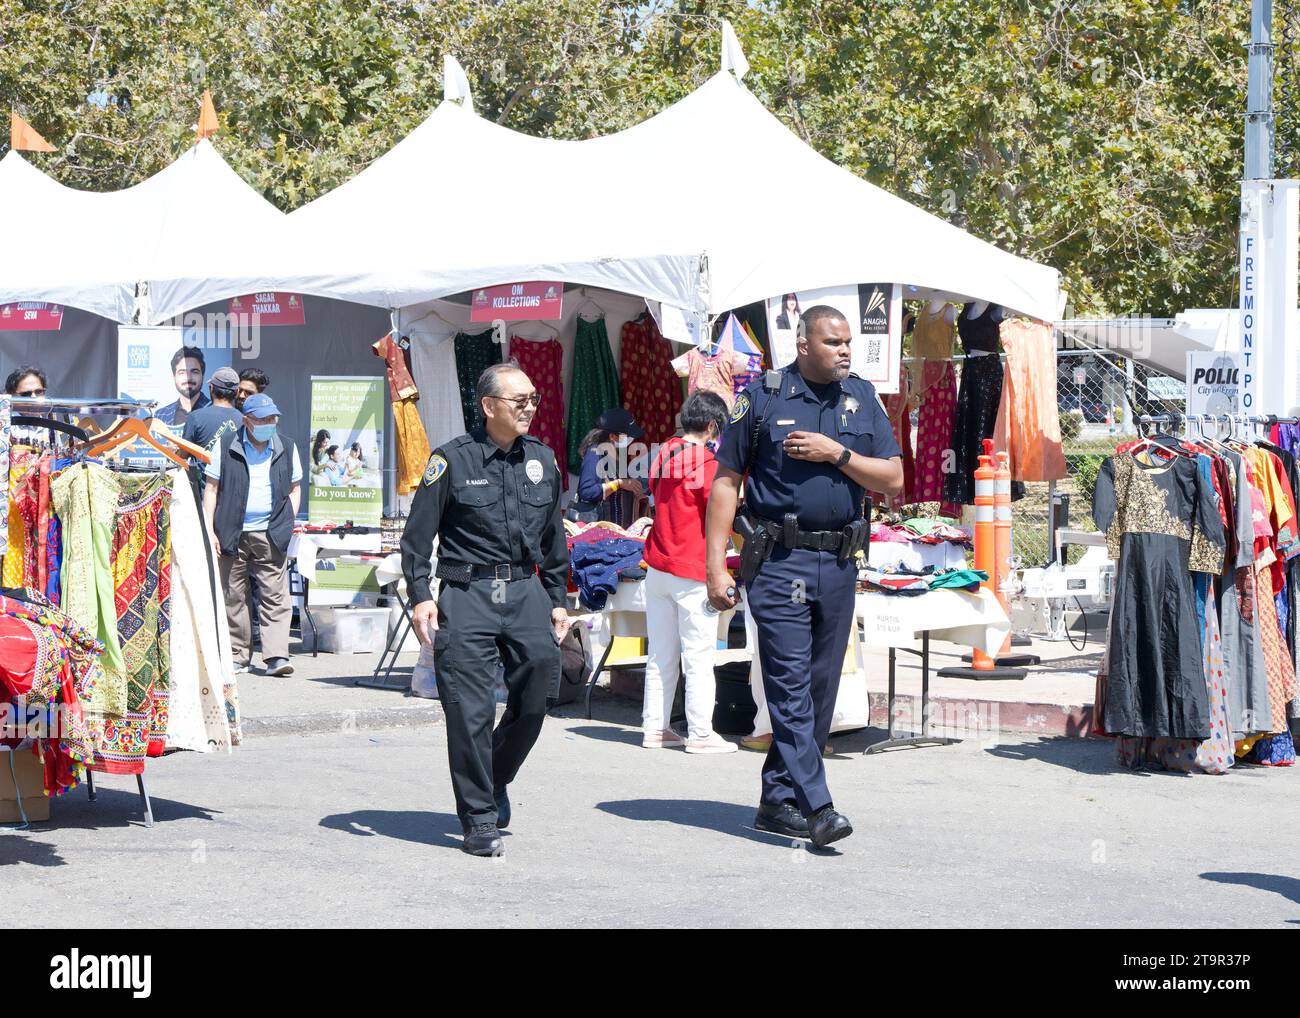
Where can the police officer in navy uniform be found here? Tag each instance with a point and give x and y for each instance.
(809, 452)
(492, 497)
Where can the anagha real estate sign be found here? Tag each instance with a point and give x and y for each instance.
(344, 450)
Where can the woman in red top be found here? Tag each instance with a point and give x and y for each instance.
(678, 629)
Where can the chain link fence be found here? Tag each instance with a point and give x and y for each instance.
(1099, 395)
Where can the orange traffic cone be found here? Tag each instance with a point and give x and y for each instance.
(989, 560)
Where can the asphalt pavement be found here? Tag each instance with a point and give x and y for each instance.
(356, 828)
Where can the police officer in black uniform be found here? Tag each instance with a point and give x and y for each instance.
(492, 497)
(810, 440)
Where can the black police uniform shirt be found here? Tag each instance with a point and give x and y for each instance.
(488, 507)
(822, 495)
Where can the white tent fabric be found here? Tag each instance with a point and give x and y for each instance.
(88, 249)
(462, 203)
(459, 203)
(680, 209)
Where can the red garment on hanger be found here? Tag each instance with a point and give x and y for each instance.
(651, 389)
(543, 363)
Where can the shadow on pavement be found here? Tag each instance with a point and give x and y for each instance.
(422, 827)
(17, 847)
(117, 807)
(704, 814)
(1288, 887)
(1087, 756)
(606, 733)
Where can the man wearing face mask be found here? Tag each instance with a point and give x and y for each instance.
(251, 499)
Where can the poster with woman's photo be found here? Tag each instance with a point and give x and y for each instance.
(344, 462)
(873, 311)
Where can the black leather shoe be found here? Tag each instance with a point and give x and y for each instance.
(784, 820)
(828, 825)
(503, 808)
(483, 839)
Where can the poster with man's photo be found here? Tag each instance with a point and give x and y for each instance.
(873, 311)
(169, 365)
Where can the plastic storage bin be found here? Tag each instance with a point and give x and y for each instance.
(348, 630)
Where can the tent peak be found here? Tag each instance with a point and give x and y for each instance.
(455, 83)
(733, 57)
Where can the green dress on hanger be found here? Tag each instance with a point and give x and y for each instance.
(474, 355)
(594, 388)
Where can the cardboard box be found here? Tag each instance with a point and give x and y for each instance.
(27, 767)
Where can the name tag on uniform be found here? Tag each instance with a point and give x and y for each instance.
(477, 481)
(782, 423)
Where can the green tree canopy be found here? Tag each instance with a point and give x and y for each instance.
(1100, 136)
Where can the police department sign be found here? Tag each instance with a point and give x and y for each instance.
(1214, 383)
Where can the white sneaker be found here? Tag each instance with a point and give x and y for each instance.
(715, 743)
(667, 739)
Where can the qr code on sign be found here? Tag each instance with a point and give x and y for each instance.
(873, 351)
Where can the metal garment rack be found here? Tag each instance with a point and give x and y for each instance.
(80, 406)
(1214, 419)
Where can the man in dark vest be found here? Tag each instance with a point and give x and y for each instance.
(251, 499)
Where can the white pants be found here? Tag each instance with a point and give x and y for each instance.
(678, 630)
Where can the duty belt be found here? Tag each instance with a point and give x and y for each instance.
(463, 572)
(813, 540)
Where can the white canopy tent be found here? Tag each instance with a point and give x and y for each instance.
(88, 249)
(660, 210)
(1159, 343)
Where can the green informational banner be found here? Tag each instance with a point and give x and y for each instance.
(346, 448)
(343, 583)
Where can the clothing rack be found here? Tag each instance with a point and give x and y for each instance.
(1214, 419)
(79, 404)
(29, 407)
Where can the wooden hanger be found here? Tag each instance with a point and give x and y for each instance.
(153, 433)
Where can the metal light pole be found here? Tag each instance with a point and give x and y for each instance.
(1259, 93)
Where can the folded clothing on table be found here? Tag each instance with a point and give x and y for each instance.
(912, 583)
(597, 567)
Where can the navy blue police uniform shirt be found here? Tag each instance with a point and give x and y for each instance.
(821, 494)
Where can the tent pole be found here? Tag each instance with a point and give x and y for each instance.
(390, 431)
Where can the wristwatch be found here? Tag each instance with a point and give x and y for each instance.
(845, 456)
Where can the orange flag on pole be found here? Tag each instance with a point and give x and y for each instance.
(207, 118)
(25, 138)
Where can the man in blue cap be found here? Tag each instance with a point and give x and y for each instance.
(251, 499)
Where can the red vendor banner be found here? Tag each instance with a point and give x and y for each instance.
(30, 316)
(517, 302)
(270, 308)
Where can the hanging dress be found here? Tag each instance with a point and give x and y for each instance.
(594, 388)
(977, 401)
(651, 390)
(543, 362)
(932, 341)
(85, 498)
(1161, 525)
(474, 355)
(897, 410)
(142, 592)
